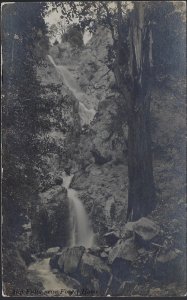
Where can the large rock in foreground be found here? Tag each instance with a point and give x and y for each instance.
(69, 260)
(125, 250)
(144, 228)
(168, 265)
(93, 267)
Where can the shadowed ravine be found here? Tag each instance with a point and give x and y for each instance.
(81, 235)
(81, 232)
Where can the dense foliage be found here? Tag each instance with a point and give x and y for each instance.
(23, 29)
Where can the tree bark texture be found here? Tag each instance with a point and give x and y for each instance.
(141, 196)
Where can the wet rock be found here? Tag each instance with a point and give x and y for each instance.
(111, 238)
(95, 250)
(121, 257)
(125, 250)
(53, 250)
(44, 254)
(93, 266)
(69, 281)
(91, 263)
(70, 258)
(54, 261)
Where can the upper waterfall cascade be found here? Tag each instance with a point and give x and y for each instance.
(86, 114)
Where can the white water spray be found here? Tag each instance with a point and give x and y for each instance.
(49, 280)
(86, 114)
(81, 233)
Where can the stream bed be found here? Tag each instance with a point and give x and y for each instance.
(52, 286)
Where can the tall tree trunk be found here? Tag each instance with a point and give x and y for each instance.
(141, 196)
(135, 87)
(141, 193)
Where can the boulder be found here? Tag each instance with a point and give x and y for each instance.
(53, 250)
(95, 250)
(69, 281)
(168, 256)
(111, 238)
(72, 259)
(126, 232)
(93, 267)
(129, 226)
(169, 265)
(146, 229)
(54, 261)
(125, 250)
(69, 260)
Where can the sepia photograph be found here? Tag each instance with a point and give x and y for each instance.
(93, 149)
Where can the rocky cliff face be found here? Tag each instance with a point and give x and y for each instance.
(97, 154)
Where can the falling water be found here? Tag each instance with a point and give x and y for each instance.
(86, 114)
(49, 280)
(81, 233)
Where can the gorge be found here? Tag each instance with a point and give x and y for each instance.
(65, 227)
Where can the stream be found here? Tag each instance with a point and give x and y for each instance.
(81, 231)
(81, 235)
(52, 285)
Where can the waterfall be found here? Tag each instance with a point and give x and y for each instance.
(81, 231)
(86, 114)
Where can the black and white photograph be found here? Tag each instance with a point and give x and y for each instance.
(93, 149)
